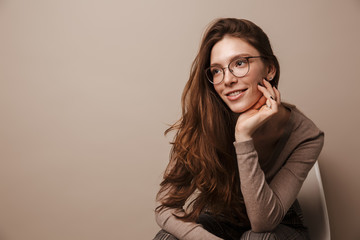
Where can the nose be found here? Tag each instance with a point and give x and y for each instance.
(229, 78)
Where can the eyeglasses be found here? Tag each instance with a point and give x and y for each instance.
(239, 67)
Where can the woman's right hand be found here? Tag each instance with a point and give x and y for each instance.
(266, 107)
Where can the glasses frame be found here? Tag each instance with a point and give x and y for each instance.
(231, 71)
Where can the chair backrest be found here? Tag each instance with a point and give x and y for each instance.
(313, 205)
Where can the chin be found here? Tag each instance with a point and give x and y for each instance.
(239, 109)
(242, 106)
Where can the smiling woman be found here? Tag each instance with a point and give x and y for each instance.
(240, 155)
(246, 88)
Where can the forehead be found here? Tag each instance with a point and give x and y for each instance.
(228, 47)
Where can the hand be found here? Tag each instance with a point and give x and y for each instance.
(262, 111)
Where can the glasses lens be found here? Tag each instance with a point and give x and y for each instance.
(215, 74)
(239, 67)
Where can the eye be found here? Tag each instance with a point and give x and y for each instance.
(240, 62)
(215, 71)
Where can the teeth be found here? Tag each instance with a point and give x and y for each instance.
(235, 93)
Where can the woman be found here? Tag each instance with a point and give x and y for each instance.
(239, 155)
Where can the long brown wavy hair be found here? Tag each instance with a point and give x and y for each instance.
(202, 158)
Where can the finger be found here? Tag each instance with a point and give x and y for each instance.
(278, 96)
(268, 103)
(269, 88)
(260, 103)
(266, 92)
(266, 89)
(272, 105)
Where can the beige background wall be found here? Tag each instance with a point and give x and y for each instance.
(88, 87)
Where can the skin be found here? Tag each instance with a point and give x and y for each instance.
(254, 105)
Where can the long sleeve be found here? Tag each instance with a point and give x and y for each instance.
(267, 203)
(180, 229)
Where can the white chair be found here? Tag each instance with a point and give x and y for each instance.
(313, 205)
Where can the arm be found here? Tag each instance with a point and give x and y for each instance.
(267, 204)
(180, 229)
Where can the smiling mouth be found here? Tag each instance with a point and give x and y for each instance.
(235, 95)
(232, 94)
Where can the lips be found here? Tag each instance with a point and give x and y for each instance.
(235, 95)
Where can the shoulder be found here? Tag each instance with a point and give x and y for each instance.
(301, 125)
(303, 129)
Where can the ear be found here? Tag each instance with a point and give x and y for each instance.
(271, 71)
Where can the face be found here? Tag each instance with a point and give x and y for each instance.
(239, 93)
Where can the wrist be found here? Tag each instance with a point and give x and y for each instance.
(243, 137)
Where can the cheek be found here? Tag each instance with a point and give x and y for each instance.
(258, 73)
(254, 80)
(218, 89)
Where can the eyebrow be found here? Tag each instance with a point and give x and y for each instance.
(233, 58)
